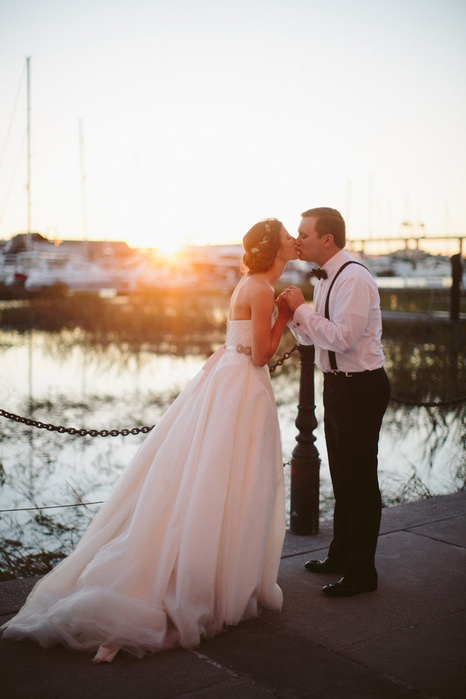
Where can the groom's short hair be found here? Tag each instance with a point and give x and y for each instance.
(328, 221)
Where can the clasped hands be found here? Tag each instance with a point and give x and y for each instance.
(289, 300)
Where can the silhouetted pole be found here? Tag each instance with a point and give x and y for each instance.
(456, 274)
(305, 461)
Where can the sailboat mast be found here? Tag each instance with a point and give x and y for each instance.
(28, 60)
(83, 179)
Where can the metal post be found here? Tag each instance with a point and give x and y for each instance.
(305, 461)
(456, 274)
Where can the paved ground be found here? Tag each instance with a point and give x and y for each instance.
(408, 639)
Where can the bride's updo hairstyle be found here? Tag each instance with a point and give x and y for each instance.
(261, 244)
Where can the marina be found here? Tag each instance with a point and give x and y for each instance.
(138, 144)
(33, 262)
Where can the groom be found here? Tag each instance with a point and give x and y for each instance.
(345, 326)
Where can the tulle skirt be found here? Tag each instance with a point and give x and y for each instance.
(190, 540)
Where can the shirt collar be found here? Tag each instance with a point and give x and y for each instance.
(335, 262)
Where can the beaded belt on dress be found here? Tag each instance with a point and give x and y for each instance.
(241, 349)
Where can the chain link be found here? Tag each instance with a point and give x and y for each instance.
(73, 430)
(282, 359)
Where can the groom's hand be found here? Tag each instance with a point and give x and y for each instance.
(294, 297)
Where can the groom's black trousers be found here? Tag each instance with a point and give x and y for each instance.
(353, 410)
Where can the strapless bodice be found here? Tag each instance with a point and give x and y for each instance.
(239, 332)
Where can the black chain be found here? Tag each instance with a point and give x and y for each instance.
(282, 359)
(72, 430)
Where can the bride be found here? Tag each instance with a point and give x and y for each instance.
(190, 540)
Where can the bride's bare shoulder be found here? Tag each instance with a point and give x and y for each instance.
(249, 291)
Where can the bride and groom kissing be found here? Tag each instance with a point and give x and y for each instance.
(189, 542)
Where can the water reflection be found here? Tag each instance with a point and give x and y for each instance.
(72, 377)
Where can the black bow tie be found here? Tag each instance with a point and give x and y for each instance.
(319, 273)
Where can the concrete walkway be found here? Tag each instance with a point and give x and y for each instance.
(408, 639)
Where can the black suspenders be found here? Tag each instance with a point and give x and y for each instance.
(331, 354)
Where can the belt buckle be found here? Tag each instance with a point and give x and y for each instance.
(348, 375)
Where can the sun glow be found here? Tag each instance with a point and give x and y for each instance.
(186, 139)
(169, 248)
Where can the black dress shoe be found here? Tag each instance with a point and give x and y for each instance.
(325, 566)
(342, 588)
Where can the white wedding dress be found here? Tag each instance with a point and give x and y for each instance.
(190, 540)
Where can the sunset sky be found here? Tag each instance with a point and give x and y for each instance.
(200, 117)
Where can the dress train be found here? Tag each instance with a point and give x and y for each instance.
(190, 540)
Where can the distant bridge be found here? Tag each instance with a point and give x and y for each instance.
(410, 241)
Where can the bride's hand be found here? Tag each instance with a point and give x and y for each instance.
(284, 310)
(294, 298)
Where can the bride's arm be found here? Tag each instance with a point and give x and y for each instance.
(265, 339)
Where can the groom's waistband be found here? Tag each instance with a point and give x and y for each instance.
(353, 374)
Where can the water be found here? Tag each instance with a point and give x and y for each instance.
(63, 378)
(409, 282)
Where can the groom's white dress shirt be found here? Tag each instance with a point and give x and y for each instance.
(354, 330)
